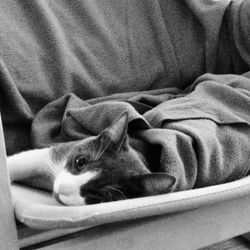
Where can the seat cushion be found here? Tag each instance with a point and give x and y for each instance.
(38, 209)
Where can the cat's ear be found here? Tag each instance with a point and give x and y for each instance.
(117, 132)
(114, 136)
(153, 183)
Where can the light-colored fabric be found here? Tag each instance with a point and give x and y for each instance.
(39, 210)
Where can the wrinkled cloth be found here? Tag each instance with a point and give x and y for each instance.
(94, 49)
(203, 133)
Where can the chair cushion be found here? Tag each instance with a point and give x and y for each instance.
(38, 209)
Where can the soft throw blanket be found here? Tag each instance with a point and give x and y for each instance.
(94, 48)
(202, 134)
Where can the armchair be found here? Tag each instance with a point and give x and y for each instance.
(223, 214)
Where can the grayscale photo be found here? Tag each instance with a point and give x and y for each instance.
(125, 124)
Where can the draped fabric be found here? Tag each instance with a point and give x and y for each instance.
(67, 68)
(202, 135)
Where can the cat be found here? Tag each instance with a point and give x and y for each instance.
(108, 167)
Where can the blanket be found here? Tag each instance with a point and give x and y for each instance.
(202, 134)
(95, 49)
(67, 69)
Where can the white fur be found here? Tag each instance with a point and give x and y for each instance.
(30, 164)
(38, 162)
(67, 187)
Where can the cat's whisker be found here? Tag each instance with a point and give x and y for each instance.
(118, 190)
(110, 195)
(93, 151)
(53, 169)
(100, 149)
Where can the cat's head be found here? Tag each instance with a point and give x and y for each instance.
(106, 168)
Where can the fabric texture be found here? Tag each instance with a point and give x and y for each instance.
(203, 135)
(97, 48)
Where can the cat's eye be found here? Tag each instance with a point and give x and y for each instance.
(80, 161)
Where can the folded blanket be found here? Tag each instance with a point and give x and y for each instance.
(98, 48)
(202, 134)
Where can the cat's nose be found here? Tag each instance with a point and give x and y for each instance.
(65, 184)
(66, 188)
(69, 196)
(67, 191)
(70, 200)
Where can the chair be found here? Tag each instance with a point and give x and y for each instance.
(189, 229)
